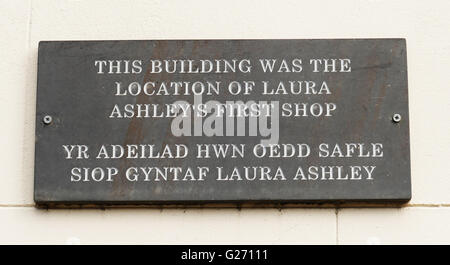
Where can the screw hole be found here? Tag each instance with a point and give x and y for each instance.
(47, 119)
(396, 118)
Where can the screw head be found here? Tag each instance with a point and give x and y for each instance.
(47, 119)
(396, 118)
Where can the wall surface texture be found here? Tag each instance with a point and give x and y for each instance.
(424, 24)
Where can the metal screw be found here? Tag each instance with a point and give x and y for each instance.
(396, 118)
(47, 119)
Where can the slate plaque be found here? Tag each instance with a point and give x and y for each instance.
(206, 121)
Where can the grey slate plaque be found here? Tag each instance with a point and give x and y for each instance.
(205, 121)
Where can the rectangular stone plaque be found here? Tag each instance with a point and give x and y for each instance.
(213, 121)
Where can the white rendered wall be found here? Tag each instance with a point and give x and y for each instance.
(424, 24)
